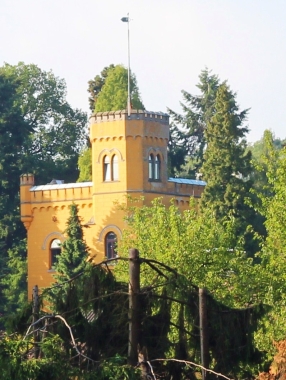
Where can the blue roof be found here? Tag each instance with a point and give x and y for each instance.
(187, 181)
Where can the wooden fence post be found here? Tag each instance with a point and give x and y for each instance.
(133, 315)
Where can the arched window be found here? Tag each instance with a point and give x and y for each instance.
(106, 169)
(151, 166)
(154, 167)
(115, 172)
(55, 250)
(157, 167)
(110, 245)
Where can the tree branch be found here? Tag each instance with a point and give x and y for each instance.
(193, 364)
(70, 330)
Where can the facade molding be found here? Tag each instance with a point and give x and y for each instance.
(109, 228)
(109, 152)
(48, 238)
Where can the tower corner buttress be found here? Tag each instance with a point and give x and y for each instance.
(26, 182)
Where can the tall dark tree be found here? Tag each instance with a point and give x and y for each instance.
(15, 133)
(187, 132)
(227, 163)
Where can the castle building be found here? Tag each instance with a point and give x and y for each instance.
(129, 159)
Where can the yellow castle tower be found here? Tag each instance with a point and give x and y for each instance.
(129, 159)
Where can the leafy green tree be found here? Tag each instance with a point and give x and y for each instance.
(187, 132)
(193, 243)
(14, 136)
(95, 85)
(39, 133)
(265, 153)
(59, 131)
(195, 248)
(113, 94)
(272, 269)
(15, 133)
(85, 166)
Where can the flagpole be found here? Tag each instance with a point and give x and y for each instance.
(127, 19)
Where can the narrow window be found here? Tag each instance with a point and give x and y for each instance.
(151, 166)
(157, 167)
(115, 171)
(106, 169)
(55, 251)
(110, 245)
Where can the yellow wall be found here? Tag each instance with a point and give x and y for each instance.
(45, 209)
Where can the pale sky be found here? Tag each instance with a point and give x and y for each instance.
(242, 41)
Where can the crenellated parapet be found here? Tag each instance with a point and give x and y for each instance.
(149, 127)
(112, 116)
(56, 196)
(70, 192)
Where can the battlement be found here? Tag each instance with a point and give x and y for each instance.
(100, 117)
(27, 180)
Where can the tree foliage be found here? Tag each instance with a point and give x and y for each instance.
(15, 280)
(187, 132)
(85, 166)
(74, 252)
(273, 253)
(195, 248)
(265, 159)
(226, 166)
(113, 94)
(39, 133)
(15, 133)
(59, 131)
(95, 86)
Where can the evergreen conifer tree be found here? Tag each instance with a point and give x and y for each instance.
(227, 163)
(70, 263)
(72, 259)
(187, 131)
